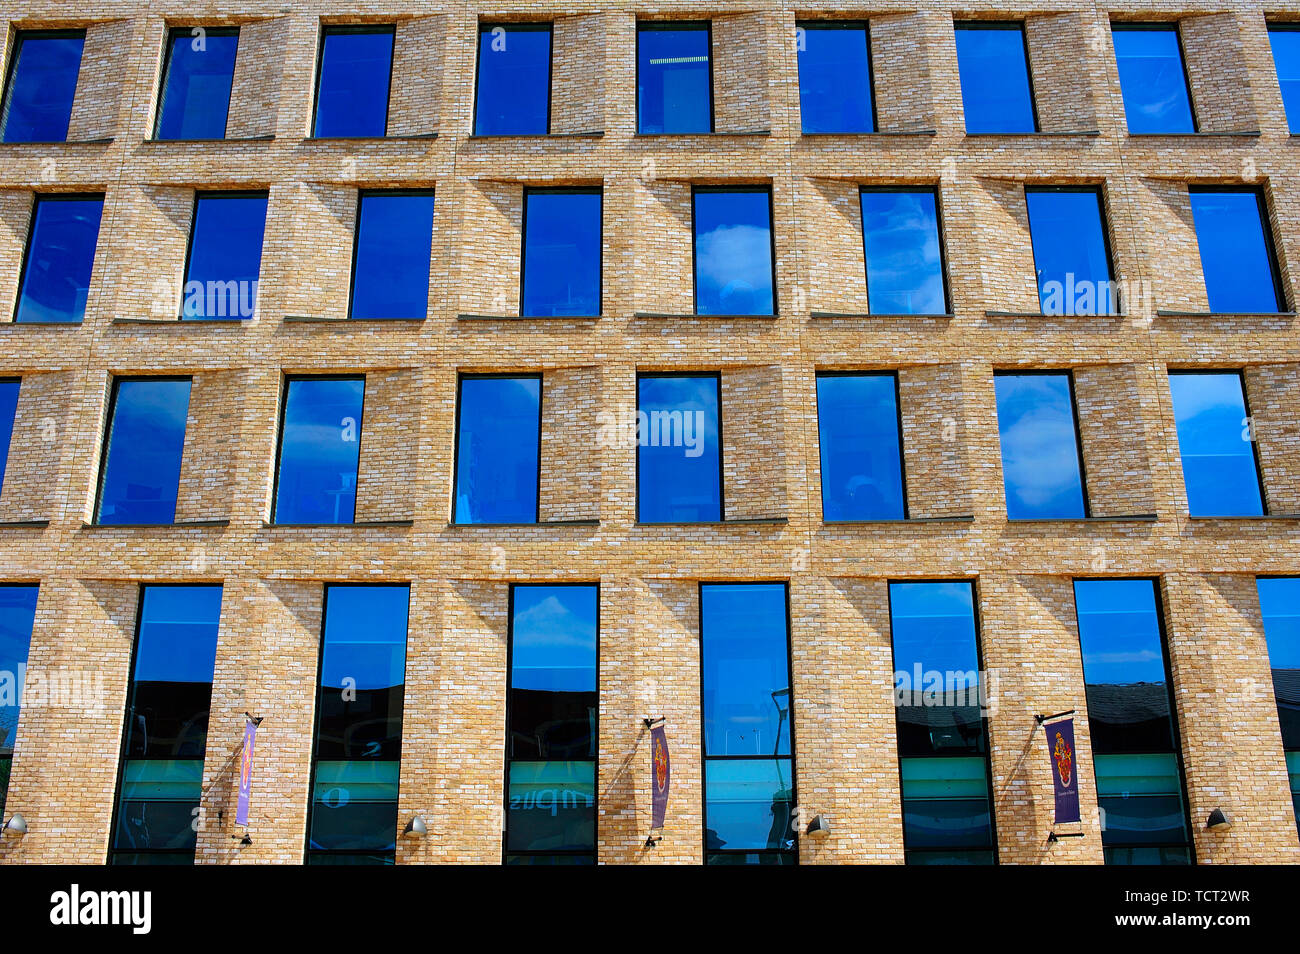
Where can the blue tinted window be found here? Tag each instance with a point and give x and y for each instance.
(1279, 603)
(1236, 253)
(8, 409)
(352, 81)
(320, 444)
(60, 255)
(165, 738)
(142, 457)
(358, 744)
(562, 253)
(734, 271)
(994, 70)
(1152, 79)
(551, 739)
(42, 82)
(17, 616)
(942, 735)
(861, 460)
(390, 271)
(196, 84)
(746, 698)
(1219, 469)
(514, 80)
(674, 91)
(1286, 58)
(1070, 252)
(225, 260)
(1041, 468)
(679, 456)
(900, 235)
(835, 78)
(1131, 722)
(498, 449)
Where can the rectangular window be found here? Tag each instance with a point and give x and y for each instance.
(1071, 253)
(1220, 471)
(357, 751)
(1042, 465)
(903, 252)
(1236, 245)
(9, 388)
(679, 448)
(196, 83)
(390, 258)
(861, 440)
(1152, 78)
(674, 78)
(17, 617)
(513, 93)
(735, 260)
(141, 470)
(60, 255)
(748, 712)
(942, 735)
(993, 65)
(1279, 602)
(225, 255)
(165, 739)
(551, 737)
(835, 94)
(1285, 40)
(1132, 724)
(498, 448)
(562, 252)
(353, 71)
(320, 445)
(40, 85)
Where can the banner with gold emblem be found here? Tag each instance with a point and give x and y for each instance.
(661, 773)
(1065, 777)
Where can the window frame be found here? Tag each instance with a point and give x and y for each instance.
(1157, 590)
(1157, 26)
(307, 851)
(286, 380)
(37, 199)
(667, 26)
(327, 29)
(849, 24)
(540, 376)
(594, 760)
(168, 36)
(705, 758)
(6, 781)
(122, 755)
(722, 472)
(106, 439)
(1281, 26)
(21, 36)
(1266, 231)
(362, 195)
(1103, 212)
(1068, 374)
(940, 234)
(990, 793)
(1240, 374)
(189, 241)
(697, 189)
(532, 26)
(898, 414)
(1019, 26)
(597, 190)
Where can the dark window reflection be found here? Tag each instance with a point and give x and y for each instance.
(1214, 444)
(41, 85)
(734, 271)
(861, 453)
(355, 69)
(1279, 602)
(9, 390)
(225, 260)
(498, 450)
(674, 78)
(1071, 256)
(196, 84)
(903, 251)
(994, 72)
(165, 737)
(835, 77)
(679, 469)
(60, 257)
(1232, 234)
(142, 457)
(320, 445)
(514, 80)
(390, 270)
(1152, 79)
(1042, 466)
(562, 252)
(17, 616)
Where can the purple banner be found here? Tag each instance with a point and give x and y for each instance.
(661, 775)
(1065, 777)
(246, 773)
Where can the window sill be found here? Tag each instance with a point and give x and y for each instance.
(733, 522)
(24, 524)
(1120, 518)
(1038, 134)
(181, 524)
(585, 134)
(1202, 518)
(63, 142)
(357, 524)
(318, 320)
(900, 521)
(42, 324)
(994, 313)
(473, 317)
(202, 322)
(874, 132)
(669, 316)
(267, 138)
(716, 133)
(592, 522)
(409, 137)
(1169, 313)
(1205, 134)
(860, 315)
